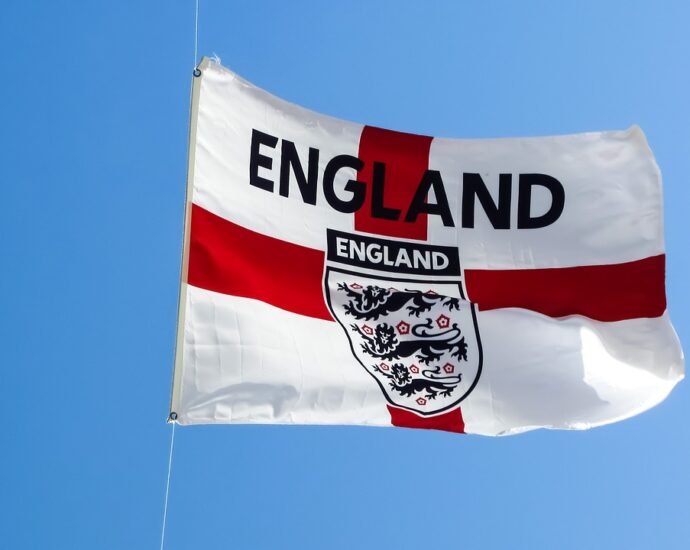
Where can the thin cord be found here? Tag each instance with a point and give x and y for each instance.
(167, 484)
(174, 418)
(196, 32)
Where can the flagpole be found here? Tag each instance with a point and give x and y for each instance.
(184, 262)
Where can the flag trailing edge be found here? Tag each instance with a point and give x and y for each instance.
(336, 273)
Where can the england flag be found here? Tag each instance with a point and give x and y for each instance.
(337, 273)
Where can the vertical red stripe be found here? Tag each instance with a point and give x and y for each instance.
(450, 421)
(406, 157)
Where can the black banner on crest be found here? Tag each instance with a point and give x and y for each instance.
(393, 256)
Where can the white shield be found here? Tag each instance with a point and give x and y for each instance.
(418, 338)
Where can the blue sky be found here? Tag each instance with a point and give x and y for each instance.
(93, 144)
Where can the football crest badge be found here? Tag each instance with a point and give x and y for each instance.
(403, 309)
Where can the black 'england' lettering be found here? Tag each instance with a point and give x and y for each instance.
(474, 189)
(256, 159)
(357, 188)
(473, 186)
(525, 219)
(420, 205)
(290, 160)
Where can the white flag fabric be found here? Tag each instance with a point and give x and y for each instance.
(336, 273)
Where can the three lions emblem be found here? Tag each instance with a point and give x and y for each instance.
(417, 337)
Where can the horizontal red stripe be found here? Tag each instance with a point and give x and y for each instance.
(227, 258)
(450, 421)
(601, 292)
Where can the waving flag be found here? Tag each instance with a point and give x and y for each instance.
(335, 273)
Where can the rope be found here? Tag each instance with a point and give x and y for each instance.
(167, 484)
(196, 32)
(173, 416)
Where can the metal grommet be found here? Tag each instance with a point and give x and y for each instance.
(173, 416)
(197, 72)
